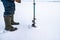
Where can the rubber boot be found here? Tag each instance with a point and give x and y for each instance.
(8, 26)
(12, 21)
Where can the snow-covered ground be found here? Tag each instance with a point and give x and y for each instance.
(47, 22)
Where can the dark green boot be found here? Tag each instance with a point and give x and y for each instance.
(12, 21)
(8, 26)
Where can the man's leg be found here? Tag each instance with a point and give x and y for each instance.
(7, 15)
(13, 22)
(12, 17)
(8, 26)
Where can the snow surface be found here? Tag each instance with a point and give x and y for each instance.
(47, 22)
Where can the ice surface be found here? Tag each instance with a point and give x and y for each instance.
(47, 22)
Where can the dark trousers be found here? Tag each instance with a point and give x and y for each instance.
(9, 7)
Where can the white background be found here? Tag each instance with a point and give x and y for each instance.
(38, 0)
(47, 22)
